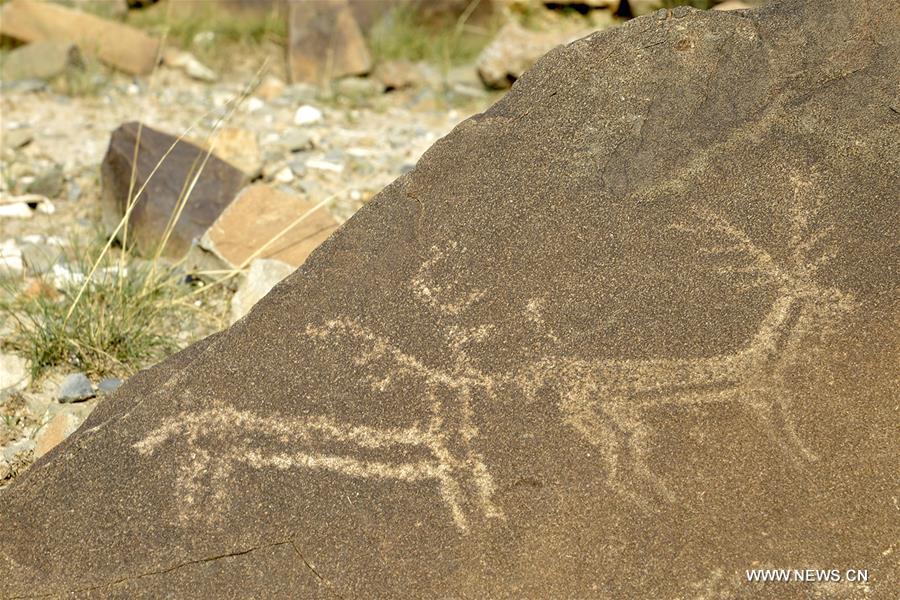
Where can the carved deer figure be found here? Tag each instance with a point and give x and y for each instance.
(604, 400)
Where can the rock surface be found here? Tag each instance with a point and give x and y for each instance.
(215, 187)
(626, 334)
(258, 223)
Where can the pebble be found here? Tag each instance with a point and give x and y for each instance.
(74, 192)
(307, 115)
(10, 257)
(16, 210)
(270, 88)
(13, 372)
(74, 388)
(296, 140)
(285, 175)
(358, 87)
(20, 447)
(17, 138)
(253, 104)
(298, 166)
(324, 165)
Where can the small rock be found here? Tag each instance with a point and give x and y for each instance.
(42, 61)
(24, 86)
(253, 104)
(20, 447)
(307, 115)
(297, 140)
(10, 256)
(16, 210)
(285, 175)
(74, 192)
(48, 184)
(13, 372)
(40, 258)
(197, 70)
(74, 388)
(324, 165)
(187, 62)
(14, 139)
(732, 5)
(238, 147)
(397, 75)
(23, 207)
(298, 92)
(298, 165)
(468, 91)
(258, 215)
(357, 88)
(515, 49)
(63, 276)
(38, 404)
(263, 275)
(54, 432)
(109, 385)
(270, 88)
(39, 287)
(325, 42)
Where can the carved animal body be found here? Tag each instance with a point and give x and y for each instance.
(602, 400)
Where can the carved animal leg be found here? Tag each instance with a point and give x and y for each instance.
(794, 442)
(639, 443)
(626, 426)
(628, 419)
(596, 429)
(773, 410)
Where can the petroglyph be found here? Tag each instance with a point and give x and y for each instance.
(446, 296)
(310, 444)
(604, 400)
(449, 391)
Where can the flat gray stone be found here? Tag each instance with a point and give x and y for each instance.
(74, 388)
(627, 334)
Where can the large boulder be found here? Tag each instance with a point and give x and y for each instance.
(628, 334)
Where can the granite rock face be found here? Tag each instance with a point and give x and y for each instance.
(627, 334)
